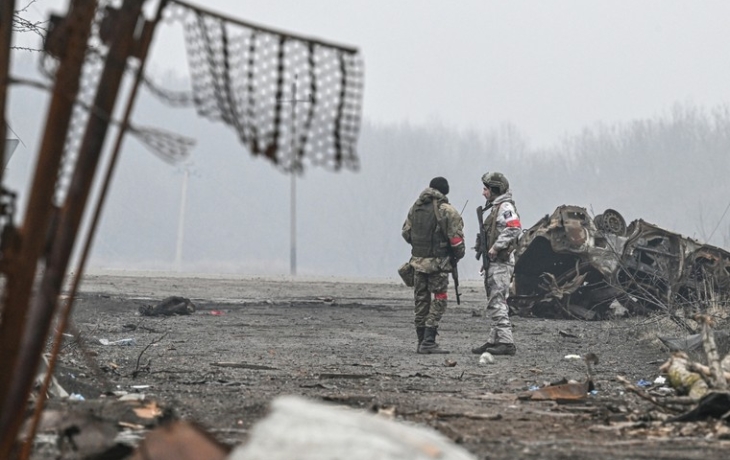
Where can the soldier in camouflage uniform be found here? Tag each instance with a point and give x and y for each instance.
(502, 228)
(435, 230)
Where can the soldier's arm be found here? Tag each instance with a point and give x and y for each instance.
(512, 226)
(406, 230)
(454, 230)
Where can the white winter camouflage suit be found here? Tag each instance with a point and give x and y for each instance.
(499, 276)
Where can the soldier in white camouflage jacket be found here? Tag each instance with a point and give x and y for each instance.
(502, 228)
(435, 231)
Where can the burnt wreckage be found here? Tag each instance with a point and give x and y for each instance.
(570, 265)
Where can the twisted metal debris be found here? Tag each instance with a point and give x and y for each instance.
(572, 265)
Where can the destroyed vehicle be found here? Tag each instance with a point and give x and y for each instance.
(572, 265)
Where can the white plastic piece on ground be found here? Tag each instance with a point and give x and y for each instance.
(570, 357)
(486, 358)
(54, 389)
(661, 380)
(306, 430)
(129, 341)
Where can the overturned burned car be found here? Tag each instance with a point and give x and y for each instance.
(571, 265)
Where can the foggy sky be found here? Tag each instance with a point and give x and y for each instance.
(547, 68)
(550, 67)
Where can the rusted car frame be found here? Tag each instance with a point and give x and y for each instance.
(572, 265)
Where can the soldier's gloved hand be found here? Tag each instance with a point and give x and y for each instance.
(459, 252)
(492, 254)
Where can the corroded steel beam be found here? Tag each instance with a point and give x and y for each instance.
(23, 259)
(41, 312)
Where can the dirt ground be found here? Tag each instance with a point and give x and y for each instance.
(352, 342)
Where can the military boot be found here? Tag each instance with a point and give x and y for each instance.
(429, 345)
(420, 330)
(507, 349)
(482, 349)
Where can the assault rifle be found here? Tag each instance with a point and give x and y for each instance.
(454, 268)
(482, 249)
(455, 275)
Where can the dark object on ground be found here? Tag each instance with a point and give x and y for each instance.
(715, 404)
(173, 305)
(692, 343)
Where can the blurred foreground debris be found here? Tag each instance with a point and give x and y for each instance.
(298, 428)
(180, 440)
(101, 428)
(295, 428)
(706, 385)
(569, 265)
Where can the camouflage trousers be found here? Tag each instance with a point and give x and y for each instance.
(429, 311)
(497, 285)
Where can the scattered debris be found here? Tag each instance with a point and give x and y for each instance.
(171, 306)
(693, 342)
(125, 342)
(94, 428)
(564, 392)
(486, 358)
(54, 389)
(344, 376)
(567, 334)
(256, 367)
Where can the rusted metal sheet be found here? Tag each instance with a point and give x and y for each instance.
(180, 441)
(570, 264)
(565, 392)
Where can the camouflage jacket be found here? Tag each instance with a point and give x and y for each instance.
(506, 224)
(450, 220)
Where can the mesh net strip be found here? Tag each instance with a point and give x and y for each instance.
(245, 75)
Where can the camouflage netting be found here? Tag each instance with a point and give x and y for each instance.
(171, 147)
(288, 98)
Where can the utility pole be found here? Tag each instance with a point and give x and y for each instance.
(188, 169)
(181, 219)
(295, 169)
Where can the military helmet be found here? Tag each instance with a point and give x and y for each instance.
(496, 180)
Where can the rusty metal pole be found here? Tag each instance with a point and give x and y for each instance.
(6, 39)
(143, 46)
(23, 260)
(123, 27)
